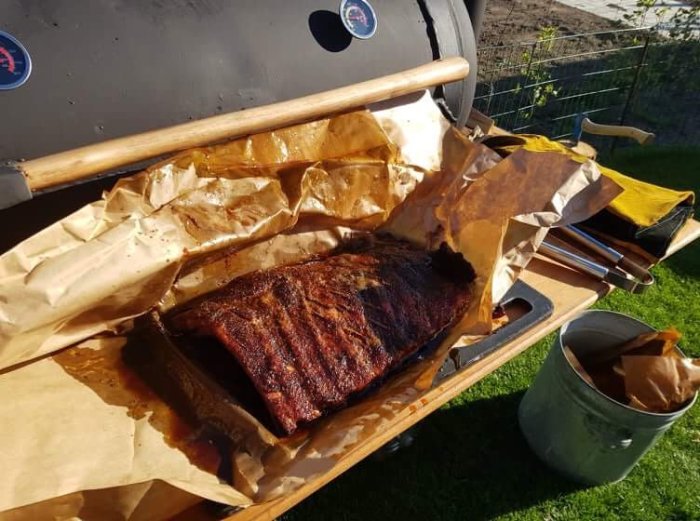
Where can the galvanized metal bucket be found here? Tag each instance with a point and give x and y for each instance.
(572, 426)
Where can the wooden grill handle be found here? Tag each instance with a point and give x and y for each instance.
(72, 165)
(640, 136)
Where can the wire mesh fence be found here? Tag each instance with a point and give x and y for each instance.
(666, 99)
(627, 76)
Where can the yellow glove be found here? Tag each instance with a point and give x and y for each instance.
(641, 203)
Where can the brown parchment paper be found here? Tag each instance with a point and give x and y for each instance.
(648, 372)
(190, 224)
(149, 501)
(660, 383)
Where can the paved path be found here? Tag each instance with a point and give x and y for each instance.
(615, 9)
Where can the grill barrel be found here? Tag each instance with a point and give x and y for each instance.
(110, 68)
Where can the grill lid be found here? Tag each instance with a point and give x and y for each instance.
(109, 68)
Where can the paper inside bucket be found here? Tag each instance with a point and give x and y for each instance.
(648, 372)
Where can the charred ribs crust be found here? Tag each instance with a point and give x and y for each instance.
(314, 335)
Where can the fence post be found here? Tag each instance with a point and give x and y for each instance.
(633, 88)
(635, 80)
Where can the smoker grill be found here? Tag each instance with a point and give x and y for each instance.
(109, 68)
(102, 69)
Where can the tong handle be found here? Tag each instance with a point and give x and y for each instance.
(642, 278)
(608, 253)
(572, 260)
(593, 244)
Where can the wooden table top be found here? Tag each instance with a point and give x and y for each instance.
(570, 292)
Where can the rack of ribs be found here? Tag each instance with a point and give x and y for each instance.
(312, 335)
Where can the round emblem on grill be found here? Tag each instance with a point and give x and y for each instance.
(15, 64)
(359, 18)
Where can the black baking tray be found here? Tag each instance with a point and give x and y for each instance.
(536, 307)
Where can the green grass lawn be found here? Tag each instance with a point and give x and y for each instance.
(469, 460)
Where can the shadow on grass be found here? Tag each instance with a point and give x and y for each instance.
(467, 462)
(686, 262)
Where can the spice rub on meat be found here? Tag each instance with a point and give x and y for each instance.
(311, 335)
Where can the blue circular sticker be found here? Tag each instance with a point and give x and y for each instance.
(15, 64)
(359, 18)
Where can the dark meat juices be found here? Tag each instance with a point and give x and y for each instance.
(312, 335)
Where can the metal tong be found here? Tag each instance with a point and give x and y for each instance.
(624, 274)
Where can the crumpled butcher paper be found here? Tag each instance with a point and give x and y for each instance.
(85, 437)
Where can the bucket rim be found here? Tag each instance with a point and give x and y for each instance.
(667, 415)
